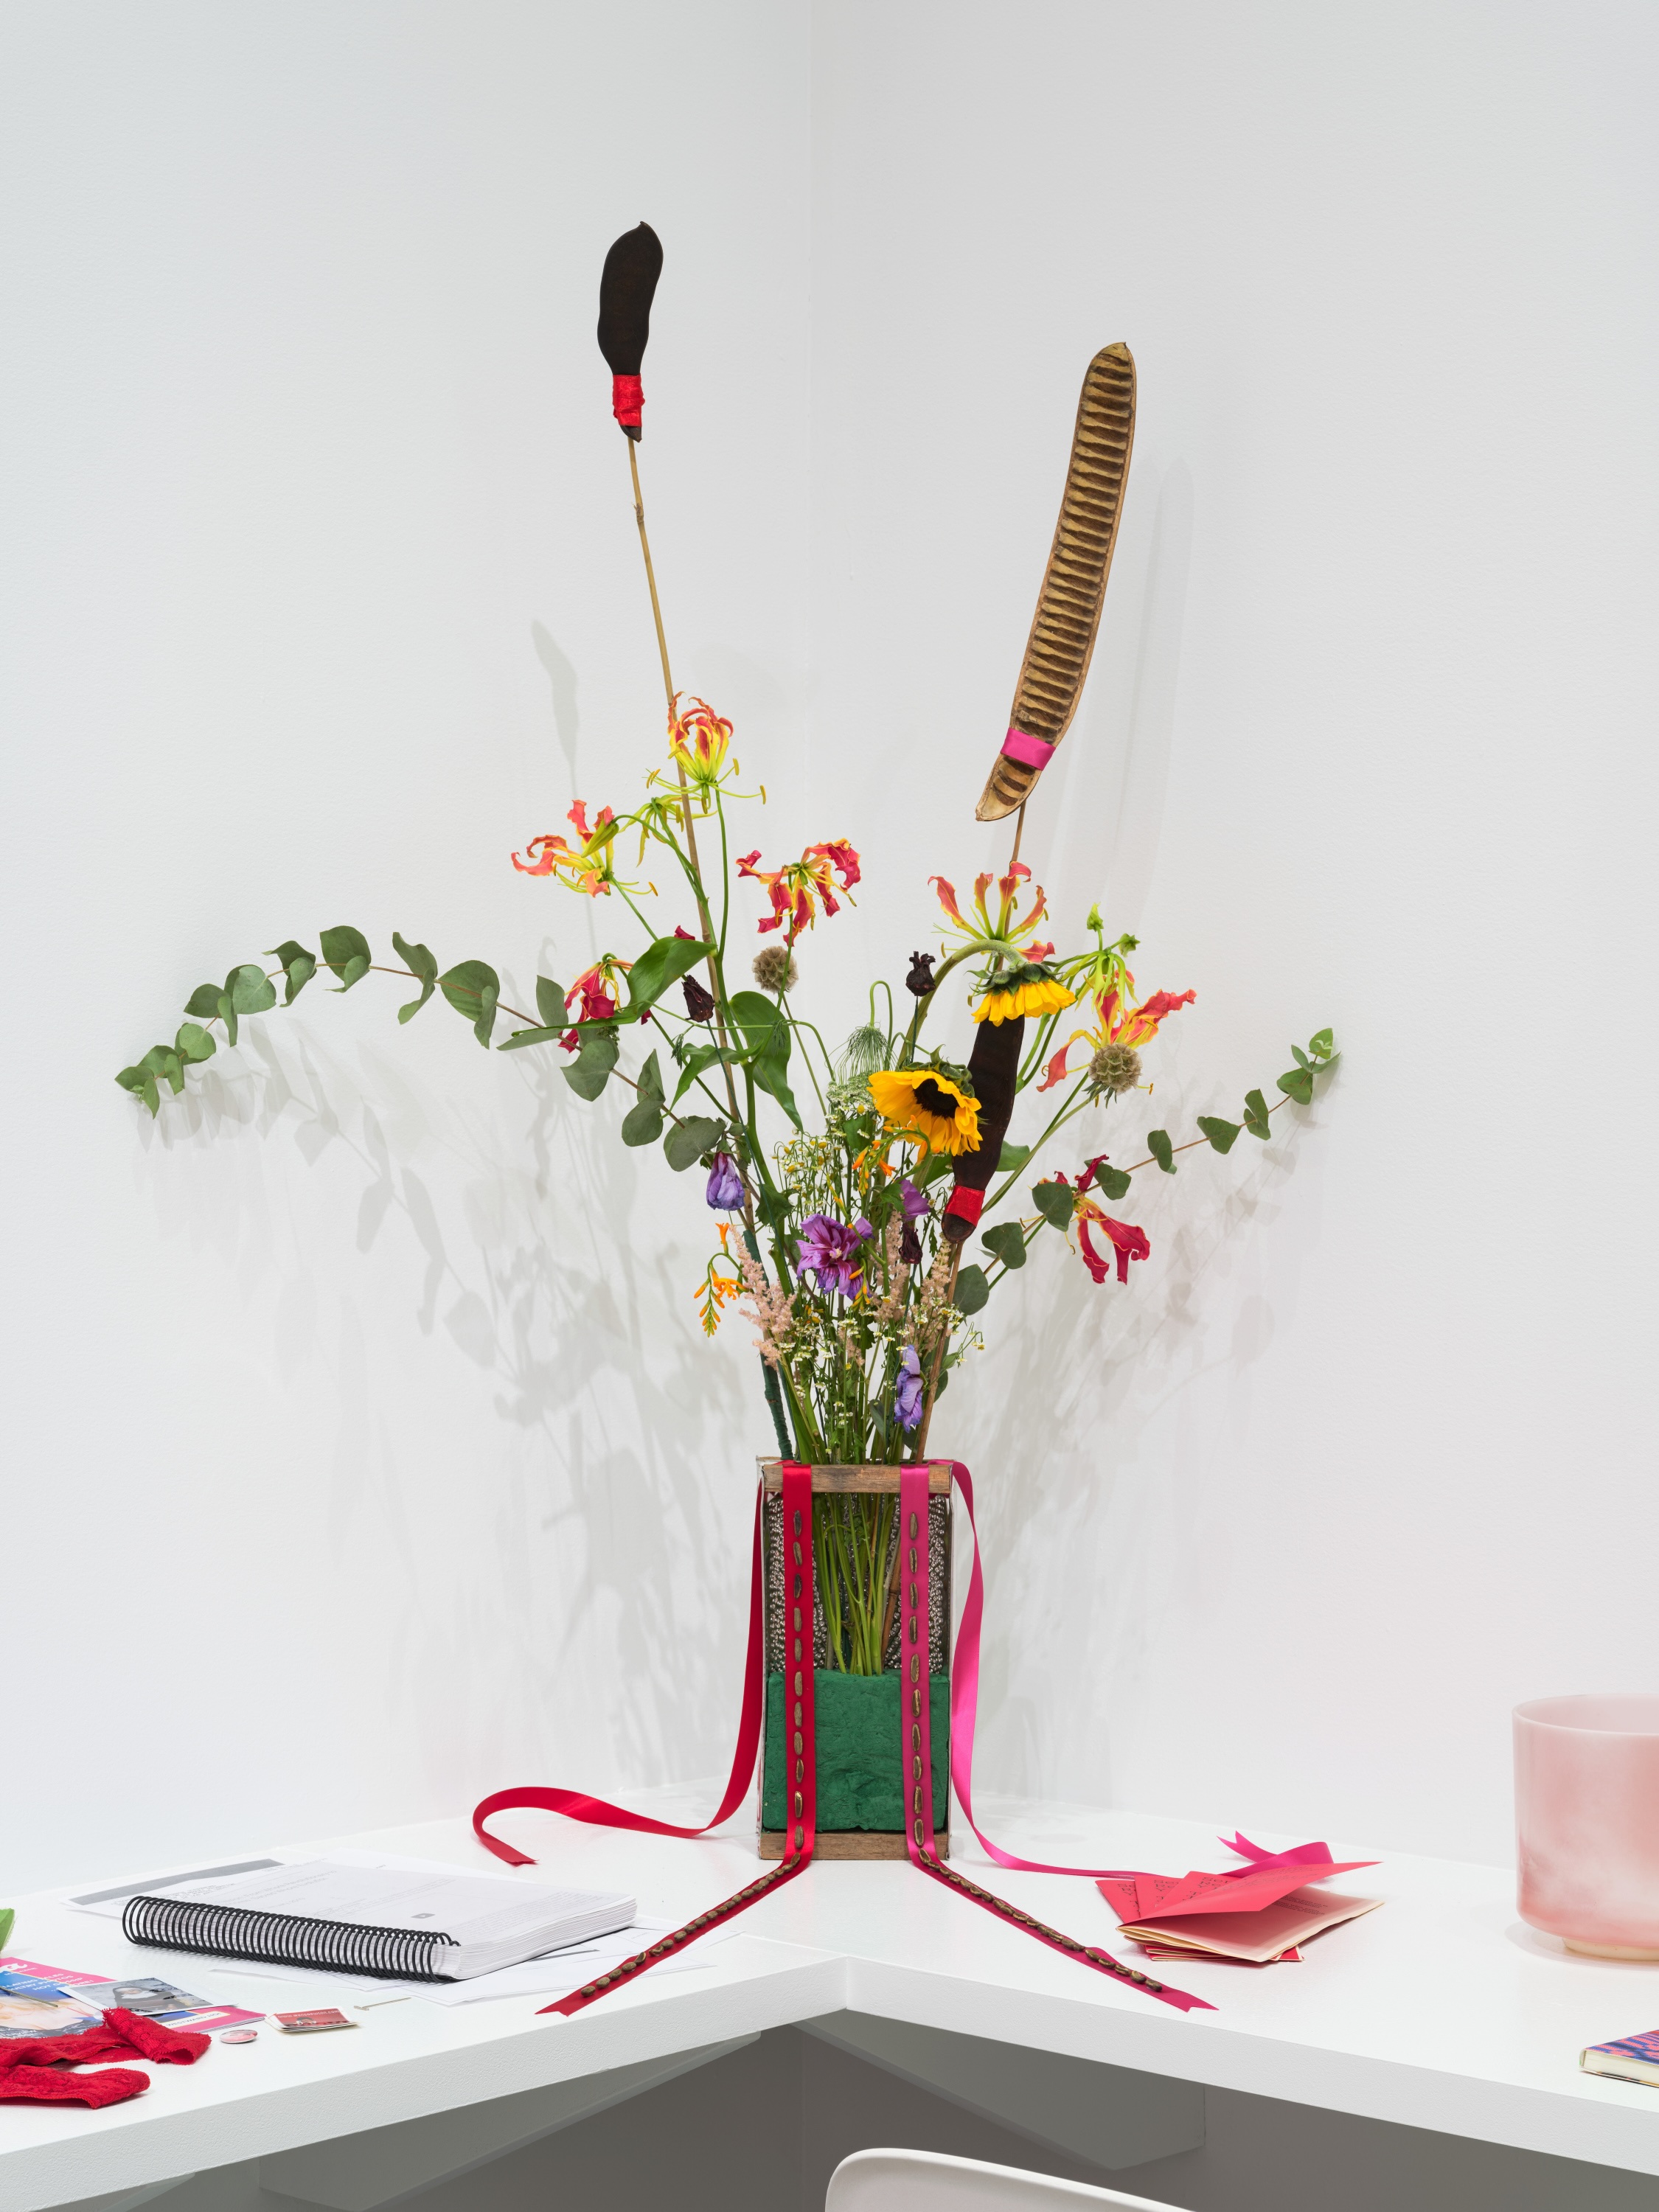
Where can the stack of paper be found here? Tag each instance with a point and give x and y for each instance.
(1255, 1916)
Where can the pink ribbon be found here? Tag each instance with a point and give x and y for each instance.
(1029, 753)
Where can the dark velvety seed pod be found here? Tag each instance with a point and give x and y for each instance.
(627, 288)
(994, 1066)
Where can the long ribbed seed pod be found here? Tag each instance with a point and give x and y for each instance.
(1062, 640)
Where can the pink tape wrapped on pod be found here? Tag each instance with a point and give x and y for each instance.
(1029, 753)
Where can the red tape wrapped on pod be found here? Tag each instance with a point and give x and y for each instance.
(994, 1066)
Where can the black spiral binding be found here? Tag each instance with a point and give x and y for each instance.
(283, 1938)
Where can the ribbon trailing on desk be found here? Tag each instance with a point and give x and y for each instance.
(800, 1752)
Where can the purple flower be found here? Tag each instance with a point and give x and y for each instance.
(906, 1399)
(915, 1202)
(829, 1250)
(725, 1191)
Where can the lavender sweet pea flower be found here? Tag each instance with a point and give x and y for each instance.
(828, 1249)
(725, 1191)
(915, 1202)
(906, 1399)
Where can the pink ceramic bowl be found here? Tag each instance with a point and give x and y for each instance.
(1587, 1822)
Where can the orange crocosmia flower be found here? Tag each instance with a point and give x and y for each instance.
(586, 868)
(794, 888)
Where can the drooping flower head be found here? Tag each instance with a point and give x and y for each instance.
(725, 1188)
(795, 888)
(586, 868)
(928, 1103)
(1120, 1025)
(596, 987)
(909, 1395)
(829, 1251)
(1127, 1242)
(1031, 988)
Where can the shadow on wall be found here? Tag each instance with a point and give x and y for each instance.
(498, 1224)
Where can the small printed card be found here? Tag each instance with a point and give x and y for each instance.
(1632, 2058)
(80, 1993)
(314, 2022)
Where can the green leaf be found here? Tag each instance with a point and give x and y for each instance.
(660, 965)
(1111, 1183)
(203, 1002)
(161, 1060)
(549, 1003)
(1007, 1241)
(651, 1078)
(1159, 1145)
(768, 1071)
(472, 988)
(1222, 1134)
(141, 1084)
(596, 1056)
(519, 1038)
(419, 959)
(932, 1168)
(1319, 1043)
(249, 990)
(8, 1915)
(1055, 1202)
(346, 951)
(1298, 1083)
(227, 1014)
(642, 1123)
(1256, 1115)
(193, 1042)
(973, 1289)
(700, 1057)
(763, 1029)
(1012, 1158)
(299, 966)
(687, 1142)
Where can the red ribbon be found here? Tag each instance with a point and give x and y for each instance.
(800, 1748)
(627, 397)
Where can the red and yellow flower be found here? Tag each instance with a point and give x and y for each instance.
(1009, 931)
(796, 888)
(585, 867)
(1128, 1241)
(598, 989)
(699, 740)
(1119, 1019)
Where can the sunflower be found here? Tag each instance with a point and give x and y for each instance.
(930, 1105)
(1031, 989)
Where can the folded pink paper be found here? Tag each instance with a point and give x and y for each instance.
(1271, 1876)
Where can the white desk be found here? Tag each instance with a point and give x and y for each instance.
(1439, 2012)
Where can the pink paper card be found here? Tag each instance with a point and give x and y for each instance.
(1250, 1889)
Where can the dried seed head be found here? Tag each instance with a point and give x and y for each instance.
(775, 968)
(1115, 1067)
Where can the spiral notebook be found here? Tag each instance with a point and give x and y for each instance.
(345, 1918)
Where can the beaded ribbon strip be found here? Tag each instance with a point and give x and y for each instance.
(915, 1752)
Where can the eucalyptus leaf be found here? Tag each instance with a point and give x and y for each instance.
(193, 1043)
(972, 1291)
(346, 951)
(299, 966)
(550, 1002)
(1222, 1134)
(642, 1123)
(1007, 1241)
(250, 990)
(1320, 1044)
(161, 1060)
(473, 988)
(1298, 1083)
(1055, 1202)
(596, 1056)
(1256, 1115)
(203, 1002)
(1159, 1145)
(687, 1142)
(1012, 1158)
(1111, 1183)
(419, 960)
(651, 1080)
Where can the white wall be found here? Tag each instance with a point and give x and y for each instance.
(363, 1451)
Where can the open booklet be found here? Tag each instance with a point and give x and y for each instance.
(333, 1915)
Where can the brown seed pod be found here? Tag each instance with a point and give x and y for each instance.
(1062, 640)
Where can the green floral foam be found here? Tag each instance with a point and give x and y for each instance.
(860, 1782)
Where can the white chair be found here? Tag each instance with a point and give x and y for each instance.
(924, 2181)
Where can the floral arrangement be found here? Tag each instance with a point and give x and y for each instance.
(848, 1179)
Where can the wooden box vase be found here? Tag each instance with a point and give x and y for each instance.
(861, 1778)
